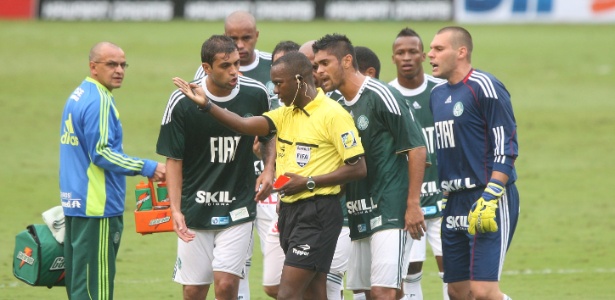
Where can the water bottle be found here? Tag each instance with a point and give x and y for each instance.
(163, 196)
(143, 196)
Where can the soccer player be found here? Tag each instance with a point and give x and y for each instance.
(415, 86)
(210, 181)
(282, 48)
(369, 64)
(93, 170)
(318, 149)
(241, 27)
(385, 205)
(476, 145)
(307, 49)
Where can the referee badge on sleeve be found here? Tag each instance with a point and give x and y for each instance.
(349, 140)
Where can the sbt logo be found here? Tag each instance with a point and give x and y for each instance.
(517, 6)
(215, 198)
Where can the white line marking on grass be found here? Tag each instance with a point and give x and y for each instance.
(557, 271)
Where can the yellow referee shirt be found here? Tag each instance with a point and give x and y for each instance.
(313, 141)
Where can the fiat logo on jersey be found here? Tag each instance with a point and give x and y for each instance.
(303, 155)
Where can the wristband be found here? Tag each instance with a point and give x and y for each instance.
(205, 108)
(494, 190)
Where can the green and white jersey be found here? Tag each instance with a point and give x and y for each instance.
(388, 130)
(260, 70)
(218, 177)
(418, 99)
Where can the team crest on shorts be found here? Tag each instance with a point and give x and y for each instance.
(349, 140)
(116, 237)
(458, 109)
(303, 155)
(362, 122)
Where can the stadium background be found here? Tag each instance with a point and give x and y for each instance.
(555, 57)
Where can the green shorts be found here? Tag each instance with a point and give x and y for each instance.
(90, 250)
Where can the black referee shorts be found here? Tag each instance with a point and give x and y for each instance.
(309, 229)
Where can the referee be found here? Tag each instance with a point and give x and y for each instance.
(318, 149)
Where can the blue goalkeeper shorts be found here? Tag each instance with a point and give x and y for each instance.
(477, 257)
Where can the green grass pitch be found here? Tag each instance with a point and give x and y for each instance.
(561, 78)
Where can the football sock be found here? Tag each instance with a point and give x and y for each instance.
(244, 284)
(444, 287)
(334, 287)
(412, 286)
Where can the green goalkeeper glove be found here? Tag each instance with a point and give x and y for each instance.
(482, 213)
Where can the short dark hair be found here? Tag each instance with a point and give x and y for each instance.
(286, 47)
(366, 58)
(296, 63)
(461, 37)
(338, 44)
(214, 45)
(407, 32)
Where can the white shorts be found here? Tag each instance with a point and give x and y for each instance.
(265, 215)
(433, 236)
(380, 260)
(273, 256)
(198, 259)
(339, 264)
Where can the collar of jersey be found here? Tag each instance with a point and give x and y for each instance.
(230, 97)
(253, 65)
(315, 104)
(92, 80)
(358, 95)
(410, 92)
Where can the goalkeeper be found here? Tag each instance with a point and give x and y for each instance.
(476, 146)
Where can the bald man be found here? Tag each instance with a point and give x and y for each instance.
(93, 170)
(241, 27)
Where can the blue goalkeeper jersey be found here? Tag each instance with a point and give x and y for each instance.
(93, 165)
(476, 132)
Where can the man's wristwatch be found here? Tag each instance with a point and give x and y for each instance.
(310, 184)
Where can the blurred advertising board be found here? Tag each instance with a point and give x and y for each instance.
(298, 10)
(535, 11)
(18, 9)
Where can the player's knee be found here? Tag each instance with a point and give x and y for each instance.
(195, 291)
(485, 290)
(482, 294)
(271, 291)
(455, 292)
(227, 286)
